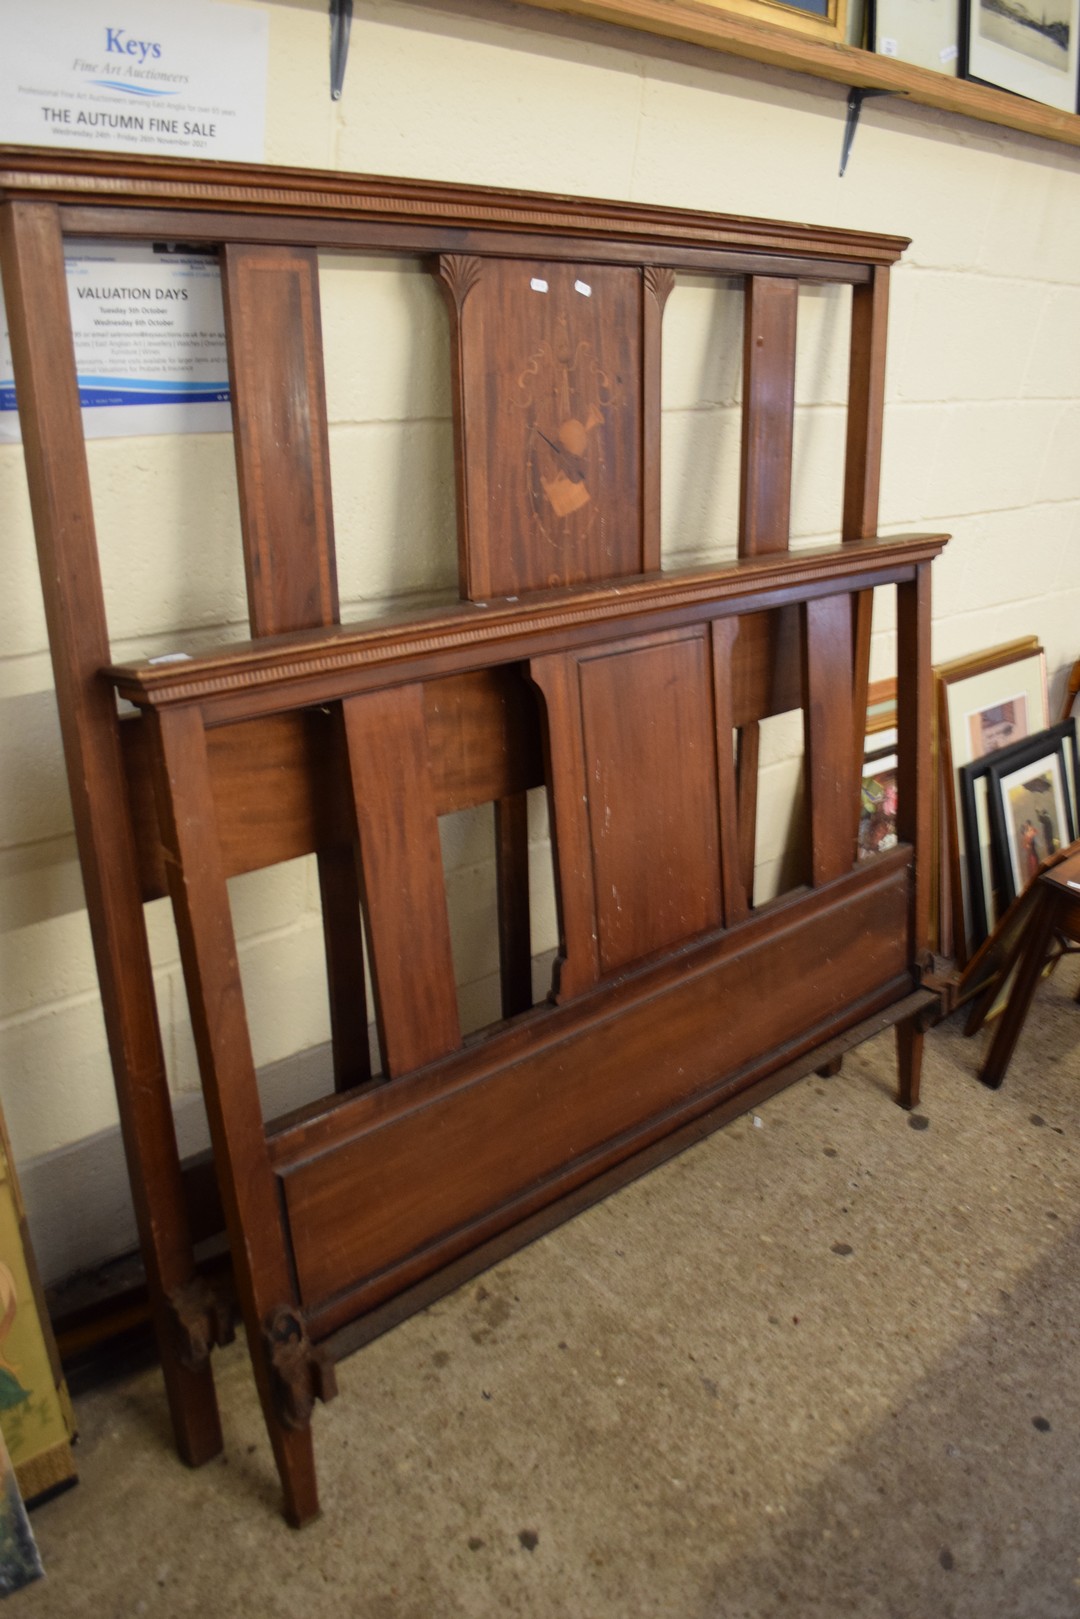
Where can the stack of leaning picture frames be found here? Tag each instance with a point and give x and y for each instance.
(570, 661)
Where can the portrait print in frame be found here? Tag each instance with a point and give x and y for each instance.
(969, 690)
(1032, 812)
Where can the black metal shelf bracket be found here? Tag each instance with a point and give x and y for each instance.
(340, 27)
(856, 97)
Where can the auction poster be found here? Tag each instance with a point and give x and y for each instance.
(149, 341)
(135, 76)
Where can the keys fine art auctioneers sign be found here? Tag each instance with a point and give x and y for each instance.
(175, 80)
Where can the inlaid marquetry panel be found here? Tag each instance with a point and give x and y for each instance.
(548, 362)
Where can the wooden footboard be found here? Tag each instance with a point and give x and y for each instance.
(571, 662)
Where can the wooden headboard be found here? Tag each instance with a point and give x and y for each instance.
(572, 661)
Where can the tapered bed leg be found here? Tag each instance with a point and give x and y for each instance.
(288, 1373)
(295, 1457)
(909, 1053)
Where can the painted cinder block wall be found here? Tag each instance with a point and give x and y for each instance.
(982, 429)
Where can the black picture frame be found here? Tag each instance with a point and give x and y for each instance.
(1001, 46)
(1059, 738)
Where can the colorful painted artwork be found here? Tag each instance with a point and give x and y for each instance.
(1035, 818)
(36, 1418)
(877, 812)
(19, 1560)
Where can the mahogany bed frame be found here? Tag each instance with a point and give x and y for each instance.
(570, 661)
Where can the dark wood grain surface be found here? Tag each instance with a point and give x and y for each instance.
(571, 662)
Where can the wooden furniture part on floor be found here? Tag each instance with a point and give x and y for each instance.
(1053, 913)
(572, 661)
(1072, 690)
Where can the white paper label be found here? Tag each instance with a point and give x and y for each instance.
(949, 53)
(538, 285)
(584, 288)
(889, 47)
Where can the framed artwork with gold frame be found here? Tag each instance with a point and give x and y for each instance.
(816, 19)
(986, 701)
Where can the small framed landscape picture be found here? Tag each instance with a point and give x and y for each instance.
(1027, 46)
(1031, 805)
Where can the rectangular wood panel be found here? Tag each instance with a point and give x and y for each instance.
(831, 777)
(354, 1210)
(274, 336)
(404, 889)
(650, 772)
(549, 418)
(768, 414)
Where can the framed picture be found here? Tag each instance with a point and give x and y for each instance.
(877, 811)
(36, 1417)
(1032, 805)
(985, 701)
(924, 32)
(1029, 48)
(988, 892)
(881, 706)
(820, 19)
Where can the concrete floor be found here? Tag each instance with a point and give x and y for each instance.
(823, 1364)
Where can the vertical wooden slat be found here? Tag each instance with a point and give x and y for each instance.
(830, 776)
(44, 362)
(272, 318)
(746, 787)
(768, 414)
(409, 932)
(862, 465)
(343, 936)
(512, 883)
(658, 285)
(914, 718)
(578, 967)
(735, 894)
(253, 1213)
(456, 275)
(271, 297)
(866, 405)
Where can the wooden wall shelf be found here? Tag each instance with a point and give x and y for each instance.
(700, 24)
